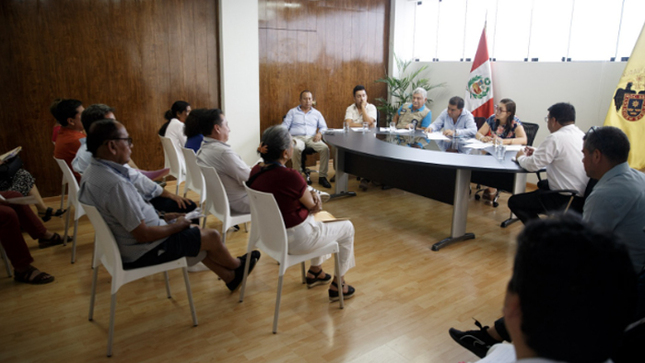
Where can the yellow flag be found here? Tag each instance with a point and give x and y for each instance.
(627, 110)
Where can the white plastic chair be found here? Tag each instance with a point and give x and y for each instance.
(72, 198)
(107, 253)
(217, 201)
(269, 234)
(196, 182)
(175, 161)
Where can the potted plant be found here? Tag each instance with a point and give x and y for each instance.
(400, 88)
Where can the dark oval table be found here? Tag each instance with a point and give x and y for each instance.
(440, 170)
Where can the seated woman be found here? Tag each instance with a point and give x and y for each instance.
(505, 127)
(193, 134)
(16, 179)
(297, 205)
(13, 219)
(174, 127)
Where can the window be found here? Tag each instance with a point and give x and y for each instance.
(547, 30)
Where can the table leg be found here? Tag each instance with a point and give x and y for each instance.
(459, 212)
(341, 176)
(518, 187)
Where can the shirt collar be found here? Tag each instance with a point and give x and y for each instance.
(119, 169)
(616, 170)
(419, 110)
(209, 140)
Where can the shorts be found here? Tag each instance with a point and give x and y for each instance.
(186, 243)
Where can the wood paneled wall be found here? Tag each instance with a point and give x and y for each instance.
(327, 47)
(136, 56)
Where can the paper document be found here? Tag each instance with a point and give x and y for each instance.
(476, 144)
(20, 200)
(514, 147)
(331, 131)
(9, 154)
(324, 216)
(437, 136)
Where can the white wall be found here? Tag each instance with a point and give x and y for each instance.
(240, 74)
(534, 86)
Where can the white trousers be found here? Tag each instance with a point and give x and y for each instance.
(310, 235)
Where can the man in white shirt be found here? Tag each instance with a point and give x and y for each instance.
(561, 154)
(215, 152)
(360, 111)
(306, 125)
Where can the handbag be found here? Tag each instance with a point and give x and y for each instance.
(9, 168)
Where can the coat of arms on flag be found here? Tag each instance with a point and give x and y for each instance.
(628, 109)
(479, 86)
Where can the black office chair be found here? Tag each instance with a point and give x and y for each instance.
(530, 129)
(303, 163)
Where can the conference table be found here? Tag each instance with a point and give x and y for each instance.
(440, 170)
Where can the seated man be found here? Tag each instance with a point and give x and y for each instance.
(160, 198)
(414, 113)
(306, 125)
(560, 153)
(455, 120)
(215, 152)
(616, 204)
(571, 295)
(68, 113)
(144, 239)
(14, 219)
(360, 111)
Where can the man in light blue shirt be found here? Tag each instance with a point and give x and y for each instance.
(455, 120)
(306, 125)
(617, 202)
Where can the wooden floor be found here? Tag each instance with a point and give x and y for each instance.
(407, 297)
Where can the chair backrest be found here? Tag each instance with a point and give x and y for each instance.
(267, 219)
(216, 201)
(105, 245)
(175, 159)
(197, 183)
(531, 130)
(73, 185)
(479, 121)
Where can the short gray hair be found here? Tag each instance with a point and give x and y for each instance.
(420, 91)
(276, 139)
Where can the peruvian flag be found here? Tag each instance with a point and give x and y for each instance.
(479, 93)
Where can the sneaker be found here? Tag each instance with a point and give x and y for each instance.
(476, 341)
(324, 196)
(239, 272)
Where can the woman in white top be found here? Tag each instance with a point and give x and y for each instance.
(174, 128)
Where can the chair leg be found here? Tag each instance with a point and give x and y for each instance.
(190, 296)
(62, 195)
(277, 306)
(165, 274)
(177, 190)
(246, 229)
(223, 235)
(304, 274)
(74, 241)
(339, 282)
(93, 294)
(111, 329)
(67, 224)
(246, 275)
(7, 265)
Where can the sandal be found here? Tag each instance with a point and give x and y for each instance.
(33, 276)
(315, 281)
(49, 213)
(333, 294)
(55, 240)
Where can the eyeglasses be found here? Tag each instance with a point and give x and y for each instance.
(128, 139)
(592, 129)
(546, 118)
(497, 108)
